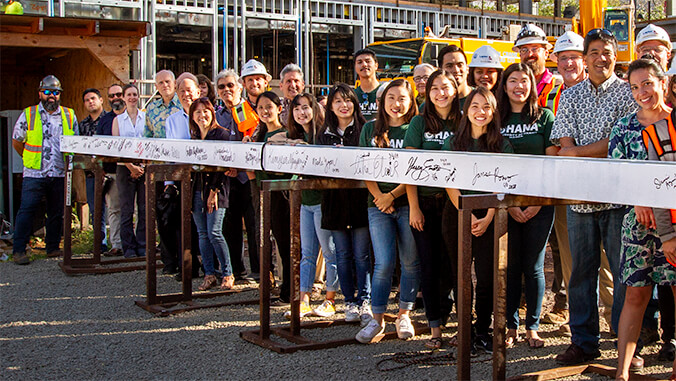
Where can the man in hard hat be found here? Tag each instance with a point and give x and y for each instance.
(255, 78)
(485, 68)
(366, 65)
(454, 61)
(655, 41)
(533, 48)
(37, 139)
(583, 122)
(292, 83)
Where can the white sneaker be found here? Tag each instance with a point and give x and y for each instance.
(325, 309)
(404, 327)
(368, 333)
(365, 314)
(351, 313)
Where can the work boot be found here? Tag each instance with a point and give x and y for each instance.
(21, 258)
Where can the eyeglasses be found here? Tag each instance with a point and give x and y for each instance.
(533, 50)
(598, 31)
(115, 95)
(56, 93)
(652, 49)
(423, 78)
(229, 85)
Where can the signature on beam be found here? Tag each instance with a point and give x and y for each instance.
(380, 166)
(430, 169)
(506, 180)
(668, 182)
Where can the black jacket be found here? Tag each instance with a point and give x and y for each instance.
(343, 208)
(218, 181)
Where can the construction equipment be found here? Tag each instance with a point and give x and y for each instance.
(618, 20)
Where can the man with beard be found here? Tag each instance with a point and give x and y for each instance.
(292, 83)
(533, 48)
(37, 138)
(105, 127)
(454, 61)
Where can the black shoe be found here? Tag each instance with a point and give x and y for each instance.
(483, 343)
(244, 279)
(667, 351)
(575, 355)
(169, 270)
(279, 303)
(21, 258)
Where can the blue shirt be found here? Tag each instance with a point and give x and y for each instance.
(178, 126)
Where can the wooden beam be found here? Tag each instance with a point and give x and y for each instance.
(37, 26)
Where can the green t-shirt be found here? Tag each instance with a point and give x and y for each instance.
(462, 103)
(416, 137)
(264, 175)
(526, 138)
(506, 148)
(367, 102)
(396, 137)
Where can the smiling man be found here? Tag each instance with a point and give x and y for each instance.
(533, 48)
(585, 116)
(366, 65)
(454, 61)
(292, 84)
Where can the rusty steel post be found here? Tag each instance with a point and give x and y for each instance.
(500, 294)
(98, 210)
(265, 259)
(67, 211)
(151, 255)
(186, 204)
(464, 293)
(295, 250)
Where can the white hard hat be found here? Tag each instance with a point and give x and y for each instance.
(569, 41)
(486, 56)
(531, 34)
(672, 69)
(653, 32)
(253, 67)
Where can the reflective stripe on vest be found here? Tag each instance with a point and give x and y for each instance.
(542, 97)
(32, 154)
(245, 117)
(661, 144)
(552, 98)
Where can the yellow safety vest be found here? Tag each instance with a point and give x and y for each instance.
(32, 150)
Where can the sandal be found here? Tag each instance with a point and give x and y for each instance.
(511, 339)
(228, 282)
(209, 282)
(453, 341)
(434, 343)
(535, 342)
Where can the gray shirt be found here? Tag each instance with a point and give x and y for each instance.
(52, 164)
(587, 114)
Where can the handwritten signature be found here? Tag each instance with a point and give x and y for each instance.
(668, 182)
(380, 166)
(430, 168)
(328, 165)
(506, 180)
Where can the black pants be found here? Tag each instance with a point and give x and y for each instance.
(482, 255)
(435, 277)
(130, 191)
(168, 215)
(281, 229)
(241, 206)
(665, 298)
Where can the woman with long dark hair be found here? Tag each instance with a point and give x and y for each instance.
(207, 89)
(210, 200)
(430, 131)
(527, 126)
(344, 210)
(388, 216)
(479, 131)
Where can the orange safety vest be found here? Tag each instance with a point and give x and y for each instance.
(245, 117)
(550, 96)
(662, 136)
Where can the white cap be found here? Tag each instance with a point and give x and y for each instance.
(486, 56)
(531, 34)
(653, 32)
(253, 67)
(672, 69)
(569, 41)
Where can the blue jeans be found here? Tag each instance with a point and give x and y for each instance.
(210, 232)
(90, 203)
(352, 255)
(526, 258)
(586, 232)
(35, 191)
(389, 232)
(311, 237)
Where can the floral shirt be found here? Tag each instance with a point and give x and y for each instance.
(88, 126)
(642, 263)
(52, 164)
(156, 117)
(587, 114)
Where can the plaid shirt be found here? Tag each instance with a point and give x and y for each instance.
(156, 117)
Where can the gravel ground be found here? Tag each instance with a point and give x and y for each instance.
(87, 327)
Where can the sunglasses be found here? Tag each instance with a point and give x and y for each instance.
(599, 31)
(115, 95)
(230, 85)
(56, 93)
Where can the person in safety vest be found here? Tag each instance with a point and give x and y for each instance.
(533, 48)
(255, 79)
(229, 89)
(37, 139)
